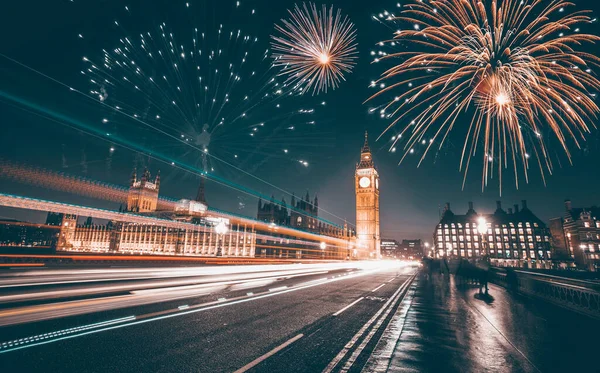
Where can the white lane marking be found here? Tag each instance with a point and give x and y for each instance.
(222, 299)
(57, 333)
(250, 294)
(193, 309)
(264, 357)
(184, 307)
(279, 288)
(348, 306)
(336, 360)
(375, 328)
(377, 288)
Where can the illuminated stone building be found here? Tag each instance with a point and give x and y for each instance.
(186, 227)
(515, 238)
(143, 193)
(366, 180)
(581, 235)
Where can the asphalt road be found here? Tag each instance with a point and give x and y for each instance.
(306, 319)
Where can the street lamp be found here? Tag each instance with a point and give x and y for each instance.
(482, 229)
(220, 229)
(427, 248)
(323, 246)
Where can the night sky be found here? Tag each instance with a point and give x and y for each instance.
(44, 36)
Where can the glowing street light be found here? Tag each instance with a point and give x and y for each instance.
(323, 246)
(220, 229)
(482, 225)
(482, 229)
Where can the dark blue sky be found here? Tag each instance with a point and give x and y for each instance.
(44, 35)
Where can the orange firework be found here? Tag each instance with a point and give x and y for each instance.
(511, 73)
(315, 48)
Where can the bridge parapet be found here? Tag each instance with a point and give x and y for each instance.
(577, 295)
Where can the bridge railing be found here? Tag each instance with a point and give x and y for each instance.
(577, 295)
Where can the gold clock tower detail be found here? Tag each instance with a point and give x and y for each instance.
(367, 205)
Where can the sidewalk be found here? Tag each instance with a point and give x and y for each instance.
(439, 328)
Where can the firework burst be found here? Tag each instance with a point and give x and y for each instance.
(511, 73)
(206, 95)
(314, 48)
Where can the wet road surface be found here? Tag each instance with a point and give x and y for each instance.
(442, 328)
(292, 324)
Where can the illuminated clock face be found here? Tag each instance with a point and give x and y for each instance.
(377, 183)
(364, 182)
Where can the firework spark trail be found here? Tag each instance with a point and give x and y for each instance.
(315, 48)
(205, 90)
(514, 67)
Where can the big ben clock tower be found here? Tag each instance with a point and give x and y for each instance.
(367, 206)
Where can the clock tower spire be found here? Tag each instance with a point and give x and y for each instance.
(367, 205)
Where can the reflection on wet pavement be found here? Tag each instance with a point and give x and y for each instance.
(450, 329)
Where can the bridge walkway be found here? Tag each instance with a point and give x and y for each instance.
(440, 327)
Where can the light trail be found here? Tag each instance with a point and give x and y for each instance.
(367, 268)
(58, 118)
(8, 200)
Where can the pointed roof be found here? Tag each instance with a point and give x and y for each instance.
(200, 194)
(365, 148)
(366, 160)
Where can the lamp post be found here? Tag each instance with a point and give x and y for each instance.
(323, 246)
(482, 228)
(220, 229)
(426, 249)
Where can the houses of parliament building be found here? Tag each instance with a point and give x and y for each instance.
(149, 224)
(302, 214)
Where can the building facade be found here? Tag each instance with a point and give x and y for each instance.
(366, 181)
(143, 193)
(303, 214)
(194, 235)
(411, 249)
(389, 248)
(581, 235)
(514, 238)
(19, 235)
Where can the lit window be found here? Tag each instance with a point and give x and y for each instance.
(586, 224)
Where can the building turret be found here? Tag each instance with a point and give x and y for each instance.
(145, 175)
(133, 177)
(157, 180)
